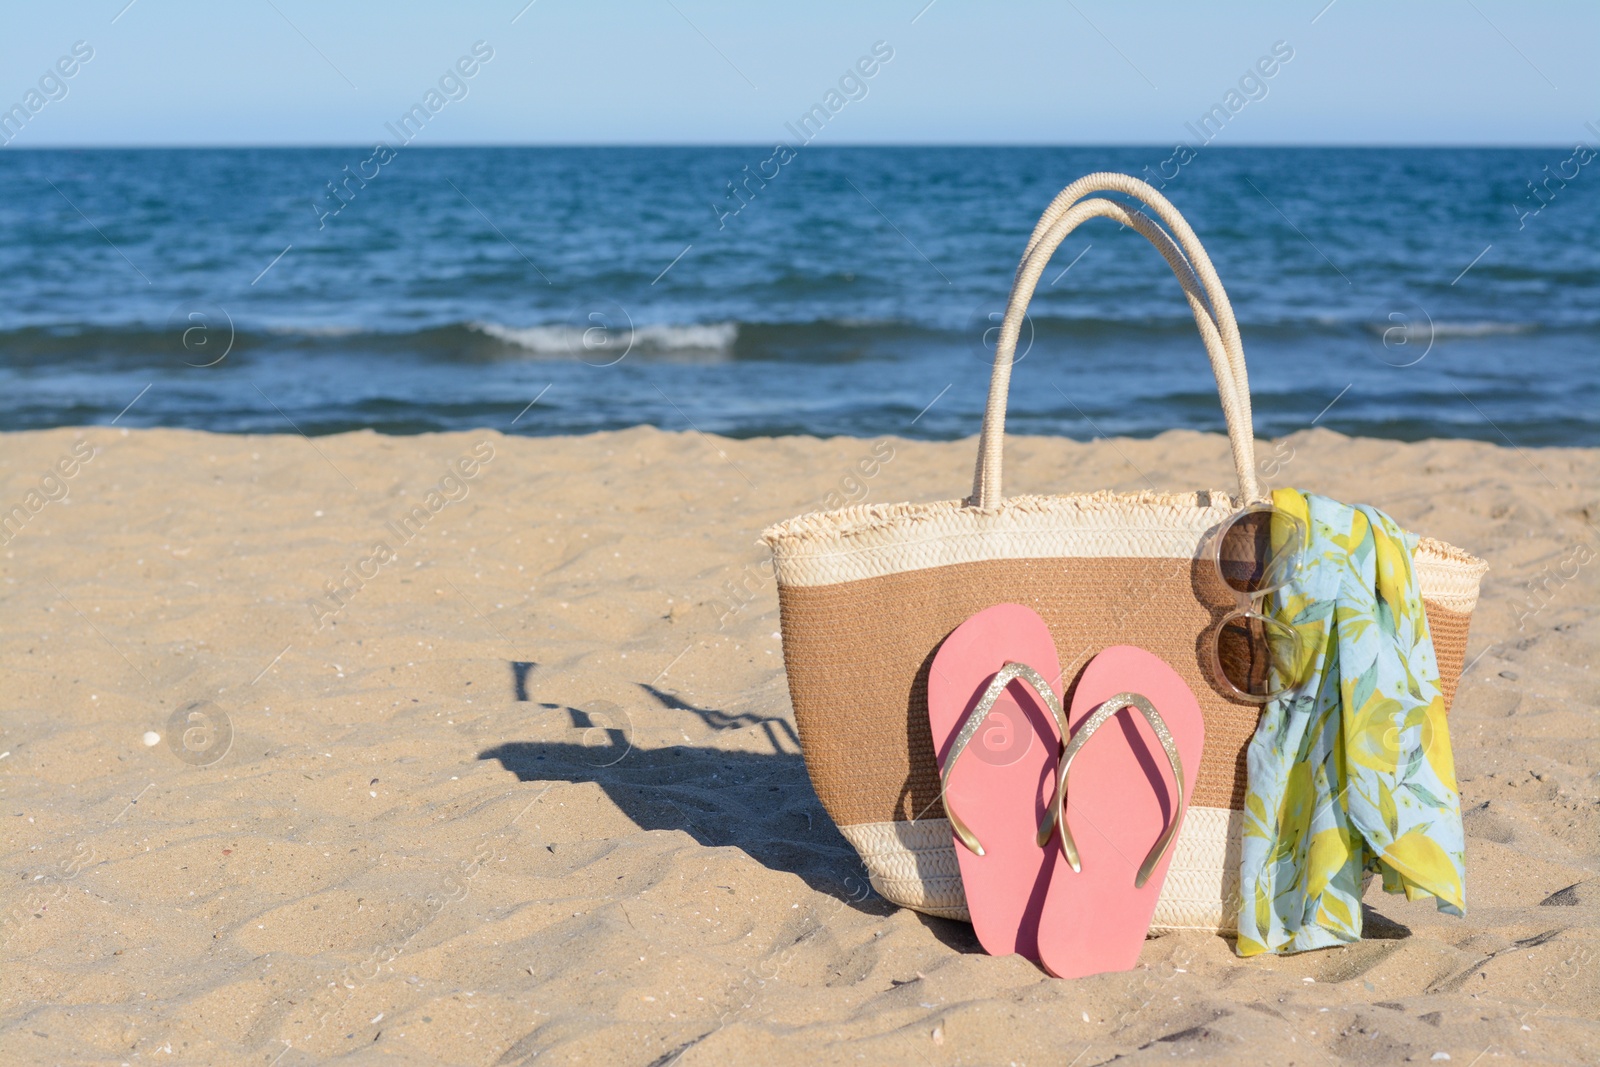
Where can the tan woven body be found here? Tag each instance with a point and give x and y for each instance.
(867, 594)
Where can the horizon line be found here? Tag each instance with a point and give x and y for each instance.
(1160, 146)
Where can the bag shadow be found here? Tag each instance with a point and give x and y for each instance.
(760, 803)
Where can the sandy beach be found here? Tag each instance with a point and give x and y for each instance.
(490, 760)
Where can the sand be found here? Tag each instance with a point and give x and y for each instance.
(527, 788)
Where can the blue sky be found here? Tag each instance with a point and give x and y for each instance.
(275, 72)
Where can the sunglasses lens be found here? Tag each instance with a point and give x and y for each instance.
(1259, 550)
(1257, 656)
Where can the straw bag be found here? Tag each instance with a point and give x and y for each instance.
(867, 593)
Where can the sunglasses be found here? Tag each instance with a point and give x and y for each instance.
(1257, 551)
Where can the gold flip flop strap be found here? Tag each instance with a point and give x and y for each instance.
(1007, 674)
(1099, 718)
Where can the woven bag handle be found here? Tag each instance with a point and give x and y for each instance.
(1213, 316)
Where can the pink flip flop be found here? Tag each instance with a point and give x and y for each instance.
(1123, 786)
(997, 727)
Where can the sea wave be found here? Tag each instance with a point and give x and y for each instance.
(1481, 329)
(325, 330)
(815, 341)
(563, 339)
(1427, 330)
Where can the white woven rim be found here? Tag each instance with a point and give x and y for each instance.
(870, 541)
(1447, 575)
(874, 540)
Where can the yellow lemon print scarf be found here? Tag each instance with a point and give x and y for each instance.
(1351, 770)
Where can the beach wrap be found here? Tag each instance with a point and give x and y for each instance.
(1351, 770)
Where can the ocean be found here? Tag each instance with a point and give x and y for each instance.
(1398, 293)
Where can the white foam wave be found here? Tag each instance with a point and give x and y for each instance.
(563, 340)
(1424, 330)
(1480, 329)
(328, 330)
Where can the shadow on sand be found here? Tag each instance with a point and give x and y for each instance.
(759, 802)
